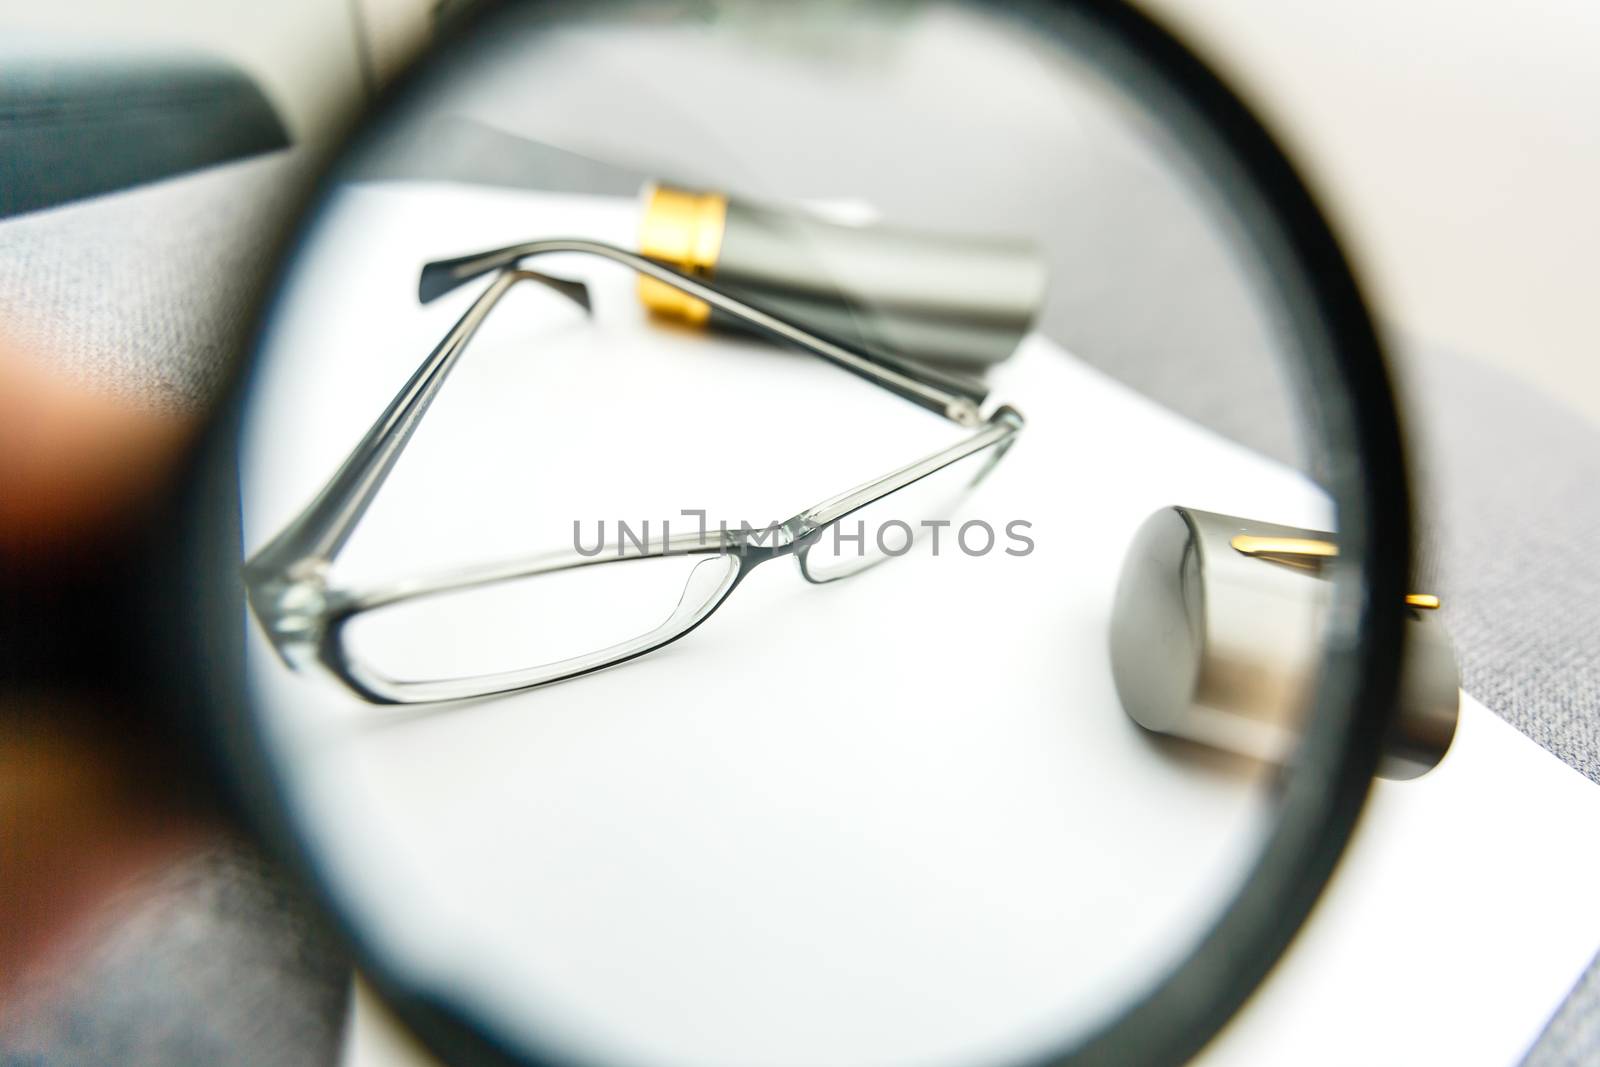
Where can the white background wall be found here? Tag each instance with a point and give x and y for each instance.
(1457, 143)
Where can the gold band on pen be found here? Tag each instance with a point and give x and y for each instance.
(682, 229)
(1309, 553)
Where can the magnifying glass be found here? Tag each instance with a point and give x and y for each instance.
(607, 313)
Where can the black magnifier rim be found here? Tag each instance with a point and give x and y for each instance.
(1320, 802)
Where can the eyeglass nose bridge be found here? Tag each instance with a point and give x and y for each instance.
(761, 543)
(794, 536)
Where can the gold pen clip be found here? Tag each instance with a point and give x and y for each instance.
(1308, 553)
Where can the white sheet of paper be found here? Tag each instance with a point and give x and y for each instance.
(696, 842)
(1458, 920)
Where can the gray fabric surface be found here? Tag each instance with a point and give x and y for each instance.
(1573, 1035)
(149, 292)
(1510, 491)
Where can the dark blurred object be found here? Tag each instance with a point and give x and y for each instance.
(137, 925)
(76, 120)
(210, 955)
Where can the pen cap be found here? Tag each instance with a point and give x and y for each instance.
(942, 298)
(1216, 636)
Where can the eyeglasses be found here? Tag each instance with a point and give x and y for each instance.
(533, 621)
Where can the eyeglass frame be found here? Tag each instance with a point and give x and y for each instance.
(286, 579)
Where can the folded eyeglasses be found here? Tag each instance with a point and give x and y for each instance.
(559, 615)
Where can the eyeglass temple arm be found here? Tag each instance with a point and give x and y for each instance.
(315, 537)
(999, 432)
(953, 396)
(317, 534)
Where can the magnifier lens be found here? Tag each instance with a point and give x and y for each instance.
(697, 809)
